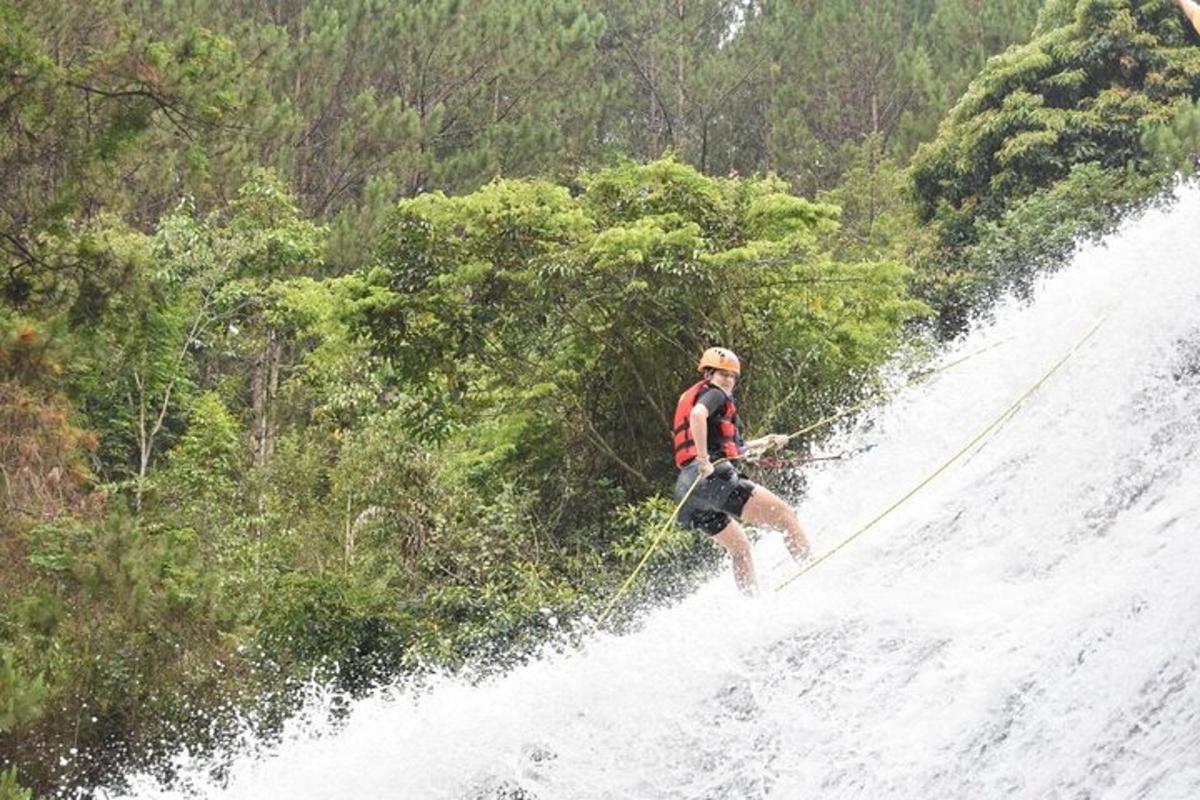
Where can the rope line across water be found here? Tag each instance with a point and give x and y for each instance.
(662, 532)
(997, 422)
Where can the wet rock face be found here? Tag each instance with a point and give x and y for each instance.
(502, 790)
(534, 763)
(1187, 369)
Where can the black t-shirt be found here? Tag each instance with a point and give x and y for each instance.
(713, 398)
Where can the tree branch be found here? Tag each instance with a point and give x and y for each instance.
(598, 440)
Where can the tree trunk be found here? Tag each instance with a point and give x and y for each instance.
(349, 541)
(264, 385)
(681, 6)
(655, 142)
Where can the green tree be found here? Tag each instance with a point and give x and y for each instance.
(201, 478)
(1075, 94)
(1175, 143)
(843, 70)
(600, 304)
(21, 697)
(1051, 132)
(676, 72)
(265, 241)
(137, 319)
(83, 87)
(44, 453)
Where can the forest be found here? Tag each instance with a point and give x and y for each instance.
(340, 338)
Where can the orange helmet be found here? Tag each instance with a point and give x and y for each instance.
(720, 358)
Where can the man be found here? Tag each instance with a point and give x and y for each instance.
(1191, 11)
(707, 441)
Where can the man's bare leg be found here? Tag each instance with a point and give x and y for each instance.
(733, 538)
(766, 508)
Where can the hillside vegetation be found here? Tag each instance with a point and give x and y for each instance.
(343, 337)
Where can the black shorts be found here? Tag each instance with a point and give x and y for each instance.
(721, 495)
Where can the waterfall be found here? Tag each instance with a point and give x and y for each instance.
(1027, 624)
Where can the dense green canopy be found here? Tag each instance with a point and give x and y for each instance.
(344, 336)
(1052, 135)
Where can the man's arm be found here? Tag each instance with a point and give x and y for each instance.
(698, 420)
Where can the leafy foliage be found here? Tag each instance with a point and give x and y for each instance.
(1048, 139)
(1176, 143)
(596, 305)
(342, 338)
(442, 458)
(43, 451)
(1075, 94)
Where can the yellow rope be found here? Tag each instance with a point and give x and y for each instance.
(646, 556)
(886, 392)
(662, 532)
(1008, 412)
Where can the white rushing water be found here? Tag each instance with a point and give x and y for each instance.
(1027, 625)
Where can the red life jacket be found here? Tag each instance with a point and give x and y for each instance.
(726, 428)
